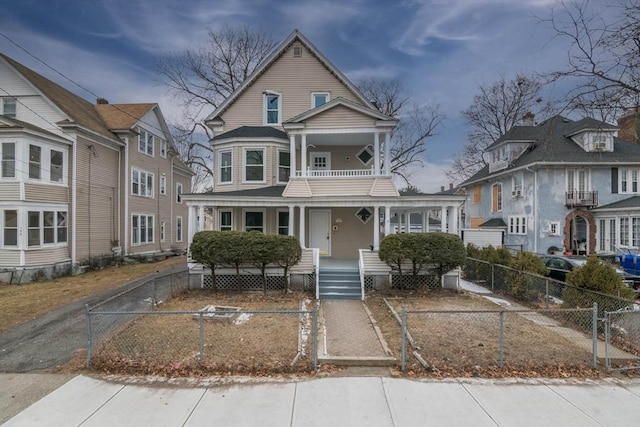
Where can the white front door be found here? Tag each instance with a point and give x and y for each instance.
(320, 230)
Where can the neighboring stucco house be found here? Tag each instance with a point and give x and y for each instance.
(559, 185)
(299, 150)
(78, 180)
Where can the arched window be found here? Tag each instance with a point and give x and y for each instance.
(496, 199)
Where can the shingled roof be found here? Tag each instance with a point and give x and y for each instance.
(122, 116)
(252, 132)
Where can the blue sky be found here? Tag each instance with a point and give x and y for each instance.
(442, 50)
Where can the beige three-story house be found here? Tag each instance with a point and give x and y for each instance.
(80, 181)
(299, 150)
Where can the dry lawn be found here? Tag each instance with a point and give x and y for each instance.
(20, 303)
(469, 342)
(253, 343)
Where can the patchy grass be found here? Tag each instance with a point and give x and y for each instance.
(20, 303)
(251, 343)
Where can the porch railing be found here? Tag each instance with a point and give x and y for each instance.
(581, 198)
(353, 173)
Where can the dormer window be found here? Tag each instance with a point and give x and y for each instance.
(600, 142)
(499, 159)
(272, 108)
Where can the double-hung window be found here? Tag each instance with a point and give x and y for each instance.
(283, 222)
(9, 107)
(496, 202)
(56, 165)
(272, 108)
(10, 228)
(284, 166)
(141, 183)
(179, 193)
(178, 229)
(35, 161)
(55, 227)
(254, 165)
(254, 221)
(145, 142)
(8, 168)
(141, 229)
(33, 228)
(163, 184)
(226, 166)
(226, 220)
(629, 180)
(163, 148)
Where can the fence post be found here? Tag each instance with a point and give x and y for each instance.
(153, 291)
(89, 339)
(314, 333)
(403, 350)
(201, 336)
(501, 362)
(594, 327)
(546, 293)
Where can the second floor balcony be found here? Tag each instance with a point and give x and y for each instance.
(587, 199)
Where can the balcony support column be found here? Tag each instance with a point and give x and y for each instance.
(303, 155)
(376, 154)
(387, 154)
(303, 241)
(376, 228)
(290, 225)
(387, 220)
(292, 154)
(443, 219)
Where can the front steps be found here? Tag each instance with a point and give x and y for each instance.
(340, 284)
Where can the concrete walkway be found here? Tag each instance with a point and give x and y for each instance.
(347, 401)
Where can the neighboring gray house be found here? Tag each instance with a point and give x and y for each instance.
(559, 185)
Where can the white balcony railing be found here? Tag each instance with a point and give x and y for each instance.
(335, 173)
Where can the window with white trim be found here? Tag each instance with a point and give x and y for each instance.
(283, 223)
(35, 161)
(163, 148)
(554, 228)
(254, 220)
(33, 228)
(141, 183)
(518, 224)
(624, 231)
(179, 193)
(9, 107)
(516, 185)
(272, 108)
(10, 228)
(496, 198)
(225, 220)
(319, 98)
(162, 231)
(163, 185)
(8, 160)
(54, 227)
(254, 165)
(635, 232)
(178, 229)
(628, 180)
(56, 166)
(141, 229)
(145, 142)
(225, 165)
(284, 166)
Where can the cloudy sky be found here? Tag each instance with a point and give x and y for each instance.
(440, 49)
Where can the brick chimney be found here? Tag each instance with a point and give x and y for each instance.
(101, 101)
(629, 124)
(529, 119)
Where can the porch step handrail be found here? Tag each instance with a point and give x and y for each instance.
(316, 269)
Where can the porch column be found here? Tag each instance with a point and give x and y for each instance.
(425, 221)
(443, 219)
(303, 241)
(192, 224)
(292, 156)
(387, 220)
(453, 228)
(214, 218)
(200, 218)
(387, 154)
(376, 154)
(376, 227)
(290, 225)
(303, 155)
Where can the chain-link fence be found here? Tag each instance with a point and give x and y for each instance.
(538, 291)
(622, 339)
(484, 340)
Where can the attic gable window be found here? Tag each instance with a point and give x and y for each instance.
(9, 107)
(319, 98)
(600, 142)
(145, 142)
(272, 108)
(297, 51)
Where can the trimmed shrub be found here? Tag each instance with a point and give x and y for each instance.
(520, 283)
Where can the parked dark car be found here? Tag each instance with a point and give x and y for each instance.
(560, 265)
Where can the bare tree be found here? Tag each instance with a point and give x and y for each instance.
(604, 55)
(201, 78)
(495, 109)
(417, 123)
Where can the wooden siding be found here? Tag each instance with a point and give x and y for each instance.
(46, 193)
(270, 158)
(340, 117)
(97, 198)
(297, 188)
(340, 186)
(296, 79)
(47, 255)
(10, 190)
(9, 258)
(383, 187)
(351, 235)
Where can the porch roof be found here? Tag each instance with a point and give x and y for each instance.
(631, 203)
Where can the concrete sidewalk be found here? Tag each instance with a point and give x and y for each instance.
(346, 401)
